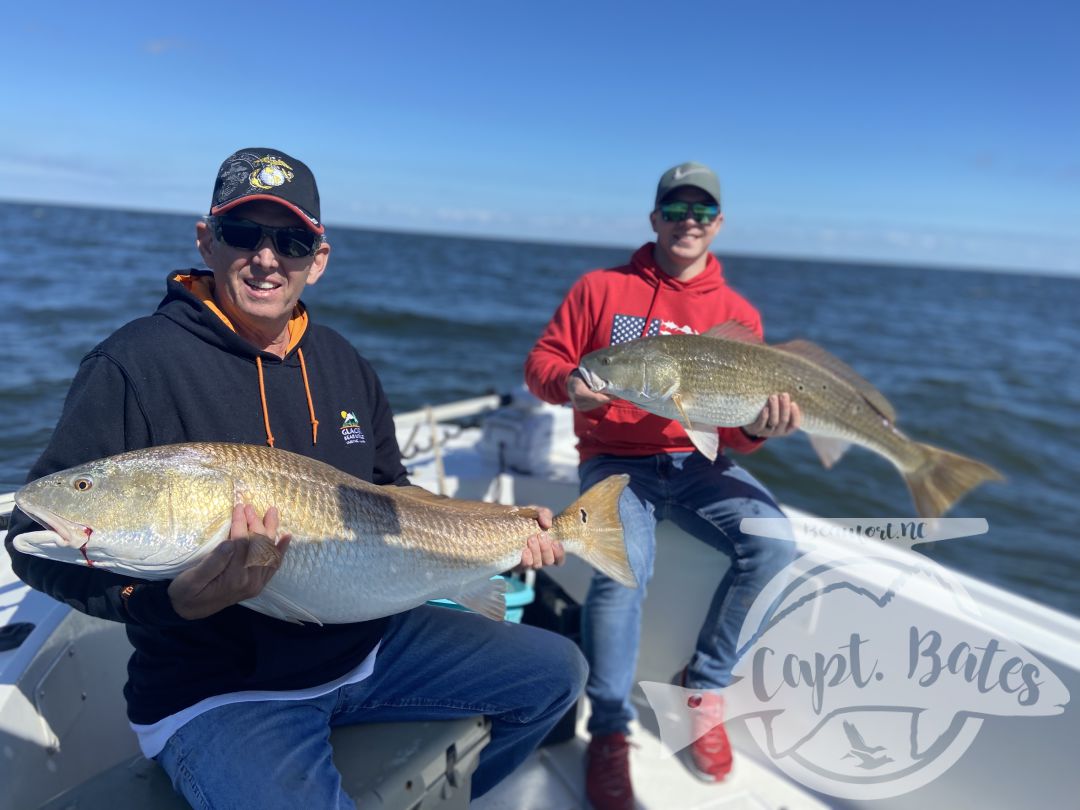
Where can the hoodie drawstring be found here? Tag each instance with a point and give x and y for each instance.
(307, 392)
(649, 311)
(266, 410)
(201, 286)
(310, 405)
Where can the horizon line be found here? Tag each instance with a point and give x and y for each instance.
(882, 263)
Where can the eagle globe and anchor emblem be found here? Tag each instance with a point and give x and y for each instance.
(270, 172)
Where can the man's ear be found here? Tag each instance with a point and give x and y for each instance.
(204, 240)
(653, 218)
(318, 263)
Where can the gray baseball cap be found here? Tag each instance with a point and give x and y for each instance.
(693, 174)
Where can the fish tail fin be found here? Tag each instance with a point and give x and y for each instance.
(943, 478)
(592, 529)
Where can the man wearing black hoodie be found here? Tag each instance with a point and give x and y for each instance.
(235, 705)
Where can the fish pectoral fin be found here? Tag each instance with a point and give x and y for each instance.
(705, 439)
(684, 418)
(486, 597)
(273, 603)
(828, 449)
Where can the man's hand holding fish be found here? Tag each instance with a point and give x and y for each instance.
(238, 569)
(780, 417)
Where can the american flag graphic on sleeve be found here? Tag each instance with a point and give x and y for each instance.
(628, 327)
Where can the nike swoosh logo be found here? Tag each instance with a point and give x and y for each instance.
(680, 174)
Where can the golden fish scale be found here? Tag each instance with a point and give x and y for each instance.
(358, 551)
(355, 543)
(163, 502)
(830, 405)
(322, 506)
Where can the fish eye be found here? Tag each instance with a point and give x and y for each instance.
(606, 361)
(83, 484)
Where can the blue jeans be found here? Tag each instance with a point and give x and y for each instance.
(708, 500)
(434, 664)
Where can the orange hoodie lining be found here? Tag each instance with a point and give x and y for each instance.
(202, 288)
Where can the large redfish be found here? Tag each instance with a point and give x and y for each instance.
(358, 551)
(724, 377)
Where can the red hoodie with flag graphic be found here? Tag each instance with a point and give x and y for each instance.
(610, 306)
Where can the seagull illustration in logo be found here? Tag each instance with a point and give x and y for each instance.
(862, 751)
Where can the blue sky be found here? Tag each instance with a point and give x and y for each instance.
(944, 133)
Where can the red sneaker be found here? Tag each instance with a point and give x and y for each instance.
(607, 773)
(710, 753)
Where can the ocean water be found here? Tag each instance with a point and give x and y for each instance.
(986, 364)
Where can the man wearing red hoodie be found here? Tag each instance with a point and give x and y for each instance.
(671, 285)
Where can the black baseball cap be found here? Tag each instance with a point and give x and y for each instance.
(259, 173)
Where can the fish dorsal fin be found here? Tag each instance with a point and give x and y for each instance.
(413, 491)
(486, 596)
(733, 330)
(815, 354)
(475, 507)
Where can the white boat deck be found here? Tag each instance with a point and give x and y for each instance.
(994, 772)
(1015, 762)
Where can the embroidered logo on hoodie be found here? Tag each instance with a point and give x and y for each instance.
(350, 429)
(630, 327)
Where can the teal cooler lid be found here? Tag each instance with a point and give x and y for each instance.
(518, 592)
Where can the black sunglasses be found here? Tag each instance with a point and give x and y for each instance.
(290, 241)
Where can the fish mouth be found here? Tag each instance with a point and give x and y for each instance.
(60, 534)
(68, 532)
(592, 380)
